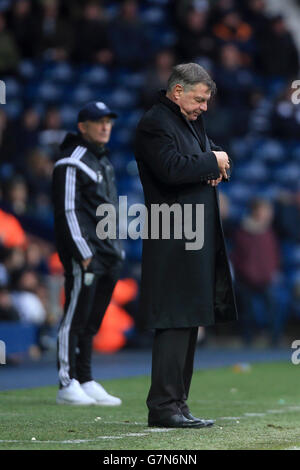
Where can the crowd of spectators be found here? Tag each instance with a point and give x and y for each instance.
(55, 55)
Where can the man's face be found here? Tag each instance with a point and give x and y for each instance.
(97, 132)
(192, 102)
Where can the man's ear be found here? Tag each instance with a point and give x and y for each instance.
(178, 90)
(81, 127)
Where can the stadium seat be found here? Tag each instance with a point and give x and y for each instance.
(254, 171)
(59, 73)
(13, 88)
(29, 70)
(271, 151)
(94, 75)
(49, 92)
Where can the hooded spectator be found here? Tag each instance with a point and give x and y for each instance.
(92, 45)
(129, 41)
(9, 53)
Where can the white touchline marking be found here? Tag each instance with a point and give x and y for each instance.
(292, 448)
(230, 417)
(121, 422)
(276, 411)
(254, 414)
(77, 441)
(161, 430)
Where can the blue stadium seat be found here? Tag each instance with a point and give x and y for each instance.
(14, 108)
(81, 95)
(270, 150)
(241, 193)
(29, 69)
(153, 15)
(254, 171)
(68, 115)
(49, 92)
(61, 73)
(122, 98)
(14, 89)
(291, 254)
(131, 80)
(94, 75)
(288, 174)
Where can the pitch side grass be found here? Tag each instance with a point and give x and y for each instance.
(256, 408)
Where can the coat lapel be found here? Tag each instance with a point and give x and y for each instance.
(199, 128)
(196, 127)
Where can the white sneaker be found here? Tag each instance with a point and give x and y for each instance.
(73, 394)
(96, 391)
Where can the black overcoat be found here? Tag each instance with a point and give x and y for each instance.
(181, 288)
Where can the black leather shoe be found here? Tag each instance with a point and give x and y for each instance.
(205, 422)
(176, 421)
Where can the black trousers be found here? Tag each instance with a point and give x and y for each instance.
(172, 369)
(87, 297)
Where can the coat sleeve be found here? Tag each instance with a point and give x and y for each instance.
(156, 148)
(66, 191)
(215, 147)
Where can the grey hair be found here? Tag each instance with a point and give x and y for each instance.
(189, 75)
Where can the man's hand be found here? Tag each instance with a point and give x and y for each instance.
(223, 163)
(85, 263)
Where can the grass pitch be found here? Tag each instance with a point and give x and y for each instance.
(254, 409)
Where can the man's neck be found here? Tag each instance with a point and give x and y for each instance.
(169, 95)
(92, 142)
(171, 98)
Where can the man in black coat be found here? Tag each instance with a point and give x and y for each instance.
(183, 286)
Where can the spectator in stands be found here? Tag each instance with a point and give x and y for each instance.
(220, 8)
(8, 313)
(7, 139)
(9, 53)
(157, 76)
(255, 12)
(56, 35)
(232, 29)
(235, 83)
(92, 44)
(194, 38)
(128, 37)
(27, 132)
(25, 27)
(277, 52)
(287, 216)
(25, 299)
(52, 134)
(15, 197)
(256, 261)
(36, 258)
(11, 260)
(11, 232)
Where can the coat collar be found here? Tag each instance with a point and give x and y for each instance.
(72, 140)
(196, 127)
